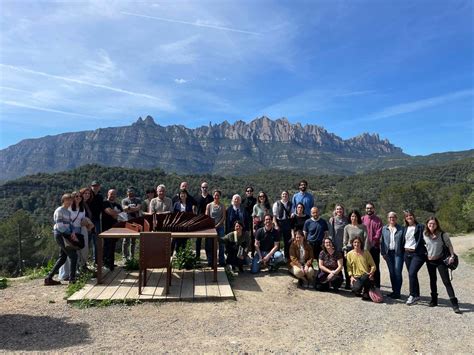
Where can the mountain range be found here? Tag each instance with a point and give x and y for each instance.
(226, 149)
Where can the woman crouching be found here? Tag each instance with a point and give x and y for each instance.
(301, 259)
(330, 267)
(361, 268)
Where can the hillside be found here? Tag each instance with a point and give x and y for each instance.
(225, 149)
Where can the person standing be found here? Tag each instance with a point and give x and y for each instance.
(303, 197)
(161, 203)
(235, 212)
(267, 245)
(415, 254)
(282, 222)
(248, 202)
(150, 195)
(393, 251)
(63, 227)
(202, 200)
(315, 230)
(216, 210)
(110, 212)
(336, 226)
(184, 186)
(132, 205)
(374, 232)
(96, 204)
(354, 229)
(435, 239)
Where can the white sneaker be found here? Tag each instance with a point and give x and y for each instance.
(412, 300)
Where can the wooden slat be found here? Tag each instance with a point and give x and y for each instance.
(224, 287)
(187, 288)
(153, 276)
(175, 289)
(212, 288)
(113, 286)
(133, 291)
(199, 284)
(98, 289)
(160, 287)
(125, 285)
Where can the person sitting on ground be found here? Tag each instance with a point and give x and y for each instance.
(63, 227)
(267, 245)
(361, 268)
(236, 246)
(330, 267)
(301, 259)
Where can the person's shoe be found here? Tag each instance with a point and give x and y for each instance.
(412, 300)
(394, 296)
(347, 286)
(51, 282)
(434, 300)
(72, 282)
(454, 302)
(365, 297)
(300, 283)
(241, 269)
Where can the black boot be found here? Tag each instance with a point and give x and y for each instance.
(455, 304)
(434, 300)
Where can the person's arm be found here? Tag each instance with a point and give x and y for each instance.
(275, 213)
(383, 248)
(447, 241)
(371, 263)
(340, 265)
(322, 267)
(257, 248)
(267, 257)
(223, 219)
(208, 207)
(345, 240)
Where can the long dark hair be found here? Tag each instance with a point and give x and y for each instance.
(357, 213)
(266, 203)
(74, 206)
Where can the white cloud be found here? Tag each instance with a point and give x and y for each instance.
(180, 81)
(413, 106)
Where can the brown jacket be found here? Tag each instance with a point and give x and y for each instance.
(295, 254)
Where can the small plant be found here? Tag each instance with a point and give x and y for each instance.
(132, 264)
(3, 283)
(40, 272)
(80, 283)
(185, 257)
(469, 256)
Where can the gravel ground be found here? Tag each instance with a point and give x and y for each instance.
(270, 315)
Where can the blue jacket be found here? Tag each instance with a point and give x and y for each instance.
(420, 247)
(399, 240)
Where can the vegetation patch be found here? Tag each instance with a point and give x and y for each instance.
(469, 256)
(185, 258)
(131, 265)
(3, 283)
(83, 304)
(80, 283)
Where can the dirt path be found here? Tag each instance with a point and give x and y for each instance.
(270, 315)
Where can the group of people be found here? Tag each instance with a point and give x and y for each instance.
(251, 232)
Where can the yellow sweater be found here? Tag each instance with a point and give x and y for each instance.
(357, 265)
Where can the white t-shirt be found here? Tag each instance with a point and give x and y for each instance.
(410, 242)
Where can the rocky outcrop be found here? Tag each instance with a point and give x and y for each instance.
(224, 148)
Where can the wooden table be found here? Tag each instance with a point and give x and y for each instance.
(118, 233)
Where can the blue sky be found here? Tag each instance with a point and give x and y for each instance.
(403, 69)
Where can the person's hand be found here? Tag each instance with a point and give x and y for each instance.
(266, 259)
(330, 276)
(371, 276)
(73, 237)
(451, 260)
(353, 280)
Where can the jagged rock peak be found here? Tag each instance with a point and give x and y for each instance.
(148, 121)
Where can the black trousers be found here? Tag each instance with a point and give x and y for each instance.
(443, 270)
(375, 252)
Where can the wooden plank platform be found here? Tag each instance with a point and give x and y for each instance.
(186, 285)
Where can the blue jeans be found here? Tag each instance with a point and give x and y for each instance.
(414, 262)
(395, 267)
(275, 261)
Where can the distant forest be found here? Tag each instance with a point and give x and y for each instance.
(27, 204)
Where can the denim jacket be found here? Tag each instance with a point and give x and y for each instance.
(399, 240)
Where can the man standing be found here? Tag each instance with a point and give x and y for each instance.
(184, 186)
(281, 219)
(110, 212)
(150, 195)
(248, 202)
(374, 232)
(315, 230)
(235, 212)
(96, 206)
(161, 203)
(202, 200)
(303, 197)
(132, 205)
(267, 245)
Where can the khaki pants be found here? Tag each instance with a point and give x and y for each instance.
(295, 270)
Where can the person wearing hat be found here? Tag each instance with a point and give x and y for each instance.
(132, 205)
(95, 204)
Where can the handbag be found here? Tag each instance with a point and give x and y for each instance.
(375, 295)
(447, 255)
(70, 244)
